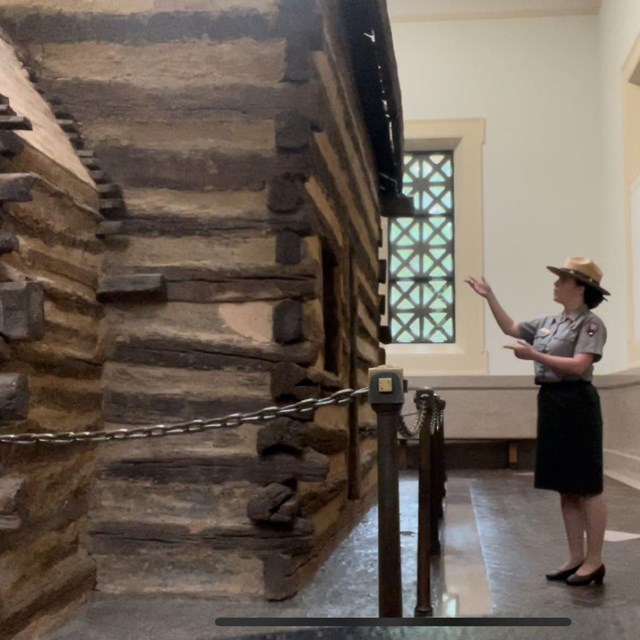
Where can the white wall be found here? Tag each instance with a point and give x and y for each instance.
(618, 27)
(536, 81)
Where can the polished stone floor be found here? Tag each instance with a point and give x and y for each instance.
(500, 537)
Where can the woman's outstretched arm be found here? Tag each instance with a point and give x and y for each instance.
(503, 319)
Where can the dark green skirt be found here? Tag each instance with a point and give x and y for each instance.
(569, 446)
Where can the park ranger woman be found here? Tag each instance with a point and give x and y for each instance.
(564, 348)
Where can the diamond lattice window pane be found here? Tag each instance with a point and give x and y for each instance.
(421, 255)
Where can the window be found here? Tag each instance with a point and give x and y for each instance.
(421, 267)
(428, 259)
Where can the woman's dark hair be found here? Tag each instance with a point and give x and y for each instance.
(592, 297)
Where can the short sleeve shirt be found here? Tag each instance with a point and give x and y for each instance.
(565, 335)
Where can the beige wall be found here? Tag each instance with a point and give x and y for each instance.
(618, 27)
(535, 83)
(619, 56)
(562, 150)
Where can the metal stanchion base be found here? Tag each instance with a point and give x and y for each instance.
(420, 612)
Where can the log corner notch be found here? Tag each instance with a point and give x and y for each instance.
(21, 311)
(10, 120)
(274, 504)
(11, 492)
(10, 144)
(16, 187)
(14, 397)
(288, 322)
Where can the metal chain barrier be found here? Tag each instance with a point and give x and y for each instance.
(344, 396)
(406, 431)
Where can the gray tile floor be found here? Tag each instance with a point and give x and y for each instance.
(520, 535)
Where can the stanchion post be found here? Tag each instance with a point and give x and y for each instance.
(441, 476)
(436, 502)
(386, 396)
(424, 399)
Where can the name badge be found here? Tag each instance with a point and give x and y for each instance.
(544, 331)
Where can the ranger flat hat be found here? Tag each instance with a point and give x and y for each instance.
(584, 270)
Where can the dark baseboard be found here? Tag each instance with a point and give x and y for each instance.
(478, 454)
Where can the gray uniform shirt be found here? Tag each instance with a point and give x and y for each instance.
(565, 335)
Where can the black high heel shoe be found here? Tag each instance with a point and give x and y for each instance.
(563, 574)
(596, 576)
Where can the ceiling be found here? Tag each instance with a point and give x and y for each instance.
(409, 10)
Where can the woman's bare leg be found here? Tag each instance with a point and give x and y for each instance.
(574, 524)
(595, 517)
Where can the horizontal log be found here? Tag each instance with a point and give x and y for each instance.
(16, 187)
(199, 170)
(138, 288)
(14, 396)
(222, 272)
(10, 144)
(22, 309)
(92, 99)
(136, 408)
(132, 224)
(308, 466)
(138, 28)
(9, 243)
(241, 290)
(200, 354)
(132, 537)
(165, 26)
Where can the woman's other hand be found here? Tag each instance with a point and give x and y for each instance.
(481, 287)
(522, 350)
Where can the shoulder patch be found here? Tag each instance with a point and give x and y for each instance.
(592, 329)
